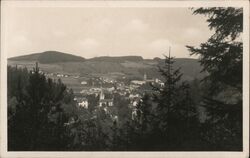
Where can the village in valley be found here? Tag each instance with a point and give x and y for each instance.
(100, 92)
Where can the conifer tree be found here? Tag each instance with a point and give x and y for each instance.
(169, 112)
(175, 106)
(38, 121)
(221, 57)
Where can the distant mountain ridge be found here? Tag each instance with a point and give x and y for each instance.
(49, 57)
(130, 66)
(117, 59)
(55, 57)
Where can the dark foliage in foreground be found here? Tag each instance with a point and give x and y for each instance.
(222, 57)
(35, 115)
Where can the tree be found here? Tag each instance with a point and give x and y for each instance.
(38, 120)
(121, 109)
(167, 112)
(221, 57)
(93, 101)
(176, 108)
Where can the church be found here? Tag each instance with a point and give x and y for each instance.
(104, 101)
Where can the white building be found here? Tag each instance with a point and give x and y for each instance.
(82, 102)
(158, 81)
(131, 96)
(84, 82)
(136, 101)
(138, 82)
(103, 101)
(59, 75)
(106, 102)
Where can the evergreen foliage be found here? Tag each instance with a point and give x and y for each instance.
(222, 56)
(36, 119)
(168, 112)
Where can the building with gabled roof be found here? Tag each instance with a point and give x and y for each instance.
(104, 101)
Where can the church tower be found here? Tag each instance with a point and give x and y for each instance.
(101, 95)
(145, 77)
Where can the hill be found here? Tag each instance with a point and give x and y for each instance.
(133, 67)
(117, 59)
(49, 57)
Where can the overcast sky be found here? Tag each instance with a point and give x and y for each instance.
(91, 32)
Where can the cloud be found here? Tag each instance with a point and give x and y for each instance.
(148, 31)
(20, 42)
(136, 25)
(88, 44)
(160, 45)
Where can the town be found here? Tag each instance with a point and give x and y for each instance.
(100, 92)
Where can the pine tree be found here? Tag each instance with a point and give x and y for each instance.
(221, 57)
(175, 106)
(38, 121)
(170, 111)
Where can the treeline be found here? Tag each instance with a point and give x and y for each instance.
(35, 111)
(201, 115)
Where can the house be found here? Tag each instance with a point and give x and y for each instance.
(136, 101)
(106, 102)
(162, 84)
(41, 72)
(59, 75)
(103, 101)
(111, 89)
(114, 118)
(84, 82)
(83, 103)
(138, 82)
(131, 96)
(158, 81)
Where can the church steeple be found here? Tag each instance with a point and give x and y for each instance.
(145, 77)
(101, 94)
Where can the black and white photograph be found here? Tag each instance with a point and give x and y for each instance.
(102, 77)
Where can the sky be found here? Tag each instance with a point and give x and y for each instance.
(92, 32)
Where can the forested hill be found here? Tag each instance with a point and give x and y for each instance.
(133, 66)
(55, 57)
(117, 59)
(49, 57)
